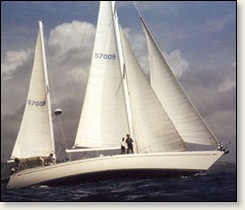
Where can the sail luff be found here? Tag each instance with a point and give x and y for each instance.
(47, 89)
(173, 97)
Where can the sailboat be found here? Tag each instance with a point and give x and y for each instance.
(119, 100)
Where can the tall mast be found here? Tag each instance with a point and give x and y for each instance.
(122, 67)
(47, 88)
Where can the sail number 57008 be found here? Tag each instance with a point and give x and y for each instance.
(105, 56)
(36, 103)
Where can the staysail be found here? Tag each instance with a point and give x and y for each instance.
(35, 137)
(184, 116)
(103, 121)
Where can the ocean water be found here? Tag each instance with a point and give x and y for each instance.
(217, 185)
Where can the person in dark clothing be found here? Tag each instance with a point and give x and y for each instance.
(129, 142)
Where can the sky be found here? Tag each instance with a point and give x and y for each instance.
(199, 39)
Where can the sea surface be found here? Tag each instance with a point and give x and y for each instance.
(217, 185)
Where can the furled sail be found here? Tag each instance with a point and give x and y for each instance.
(103, 119)
(35, 137)
(184, 116)
(154, 131)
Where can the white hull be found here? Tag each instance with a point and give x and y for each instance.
(156, 162)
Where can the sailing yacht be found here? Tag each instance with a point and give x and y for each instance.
(119, 100)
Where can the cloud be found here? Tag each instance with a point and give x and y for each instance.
(220, 118)
(177, 62)
(215, 24)
(70, 49)
(71, 36)
(229, 80)
(138, 45)
(13, 60)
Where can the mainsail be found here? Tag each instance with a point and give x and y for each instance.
(103, 120)
(184, 116)
(35, 137)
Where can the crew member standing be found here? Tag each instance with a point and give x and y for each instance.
(123, 146)
(129, 142)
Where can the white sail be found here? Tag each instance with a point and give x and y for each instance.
(35, 137)
(184, 116)
(103, 120)
(154, 131)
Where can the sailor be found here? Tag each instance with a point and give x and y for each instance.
(51, 159)
(129, 142)
(123, 146)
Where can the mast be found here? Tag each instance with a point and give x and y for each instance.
(47, 88)
(122, 67)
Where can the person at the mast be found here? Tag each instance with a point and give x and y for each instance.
(123, 146)
(129, 142)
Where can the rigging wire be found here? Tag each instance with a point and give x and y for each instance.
(54, 101)
(204, 109)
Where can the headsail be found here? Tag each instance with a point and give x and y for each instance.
(35, 137)
(153, 129)
(103, 120)
(184, 116)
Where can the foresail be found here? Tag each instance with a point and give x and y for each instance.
(35, 137)
(153, 131)
(103, 121)
(184, 116)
